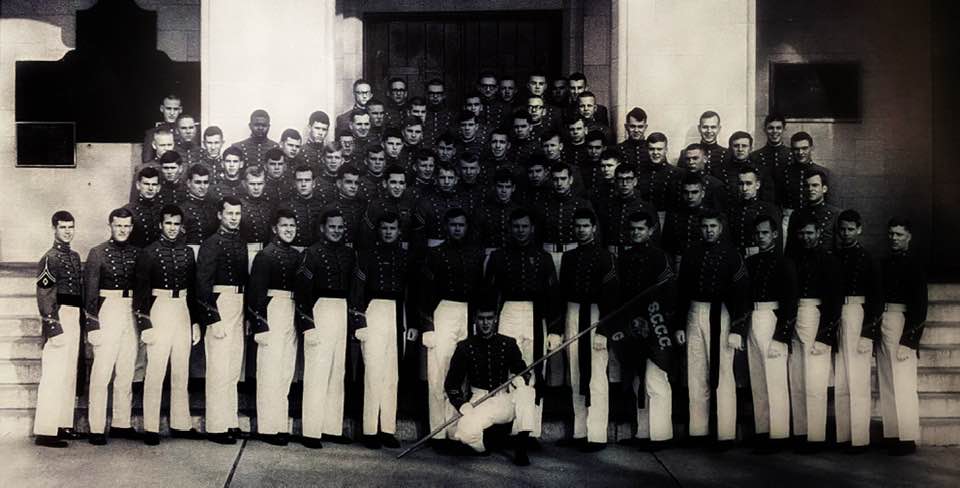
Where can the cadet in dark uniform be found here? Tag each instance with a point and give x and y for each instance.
(508, 90)
(378, 291)
(525, 279)
(791, 186)
(713, 297)
(270, 303)
(255, 147)
(602, 186)
(817, 208)
(170, 108)
(642, 265)
(146, 208)
(524, 143)
(905, 311)
(859, 316)
(108, 285)
(362, 93)
(496, 156)
(212, 147)
(397, 201)
(323, 285)
(164, 305)
(595, 144)
(306, 206)
(255, 222)
(715, 194)
(172, 188)
(728, 170)
(279, 187)
(482, 363)
(659, 181)
(312, 151)
(439, 118)
(396, 102)
(590, 110)
(615, 212)
(187, 145)
(451, 277)
(774, 155)
(371, 179)
(578, 86)
(472, 191)
(493, 216)
(494, 111)
(682, 228)
(634, 147)
(227, 182)
(709, 129)
(820, 285)
(350, 206)
(199, 212)
(773, 283)
(555, 214)
(59, 298)
(743, 214)
(432, 207)
(221, 278)
(589, 286)
(537, 187)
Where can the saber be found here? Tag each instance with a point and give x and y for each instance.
(628, 305)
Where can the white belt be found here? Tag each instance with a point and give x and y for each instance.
(163, 292)
(854, 300)
(435, 242)
(116, 293)
(765, 306)
(809, 302)
(254, 246)
(895, 307)
(236, 290)
(280, 293)
(555, 247)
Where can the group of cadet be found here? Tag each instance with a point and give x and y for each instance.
(516, 214)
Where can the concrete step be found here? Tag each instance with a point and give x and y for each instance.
(940, 356)
(929, 380)
(943, 311)
(932, 405)
(941, 333)
(21, 347)
(20, 304)
(944, 291)
(18, 396)
(20, 325)
(19, 371)
(18, 284)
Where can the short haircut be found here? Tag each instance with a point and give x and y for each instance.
(329, 214)
(411, 121)
(259, 113)
(347, 169)
(233, 151)
(171, 157)
(486, 74)
(596, 135)
(577, 76)
(303, 168)
(388, 217)
(186, 116)
(611, 154)
(696, 146)
(61, 216)
(472, 94)
(585, 213)
(537, 159)
(171, 96)
(359, 82)
(424, 154)
(550, 134)
(774, 225)
(801, 136)
(531, 96)
(119, 213)
(709, 114)
(507, 78)
(519, 214)
(587, 94)
(774, 117)
(447, 138)
(418, 101)
(643, 216)
(656, 137)
(466, 115)
(374, 149)
(739, 135)
(692, 179)
(500, 130)
(212, 131)
(283, 213)
(171, 210)
(560, 166)
(445, 166)
(395, 169)
(358, 112)
(255, 171)
(710, 213)
(627, 168)
(435, 82)
(522, 114)
(162, 131)
(850, 215)
(455, 213)
(319, 116)
(571, 119)
(638, 114)
(332, 147)
(900, 222)
(469, 157)
(397, 79)
(374, 102)
(148, 172)
(504, 175)
(817, 172)
(805, 219)
(274, 154)
(197, 170)
(229, 199)
(749, 168)
(393, 132)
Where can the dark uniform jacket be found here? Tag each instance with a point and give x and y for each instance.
(429, 212)
(402, 207)
(493, 222)
(554, 217)
(59, 282)
(190, 153)
(773, 278)
(371, 186)
(146, 220)
(110, 266)
(255, 150)
(274, 268)
(436, 122)
(635, 152)
(713, 154)
(312, 154)
(742, 216)
(279, 190)
(453, 271)
(199, 219)
(649, 318)
(904, 281)
(773, 158)
(681, 230)
(255, 220)
(659, 184)
(860, 279)
(222, 260)
(825, 214)
(224, 187)
(166, 265)
(307, 212)
(382, 272)
(820, 275)
(353, 210)
(728, 172)
(521, 150)
(615, 217)
(790, 182)
(148, 153)
(481, 363)
(326, 270)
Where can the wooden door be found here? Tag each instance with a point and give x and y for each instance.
(456, 47)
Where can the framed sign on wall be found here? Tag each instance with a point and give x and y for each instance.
(46, 145)
(817, 92)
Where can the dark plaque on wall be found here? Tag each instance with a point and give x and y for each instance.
(46, 145)
(816, 91)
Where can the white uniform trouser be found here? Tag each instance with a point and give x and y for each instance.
(852, 380)
(380, 376)
(117, 352)
(171, 332)
(590, 422)
(556, 252)
(449, 327)
(655, 420)
(809, 375)
(698, 374)
(224, 358)
(276, 358)
(516, 406)
(57, 393)
(768, 376)
(253, 248)
(324, 369)
(899, 403)
(516, 321)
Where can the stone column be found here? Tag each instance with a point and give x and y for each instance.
(679, 58)
(276, 55)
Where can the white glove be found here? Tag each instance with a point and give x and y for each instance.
(599, 342)
(819, 348)
(681, 337)
(777, 349)
(904, 352)
(95, 337)
(195, 334)
(312, 337)
(519, 382)
(218, 330)
(147, 337)
(361, 334)
(553, 341)
(864, 345)
(57, 341)
(261, 338)
(735, 341)
(465, 409)
(412, 334)
(429, 339)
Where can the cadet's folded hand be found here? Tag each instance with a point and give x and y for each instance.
(554, 341)
(94, 337)
(735, 341)
(599, 342)
(904, 352)
(147, 337)
(819, 348)
(465, 409)
(261, 338)
(195, 334)
(864, 345)
(777, 349)
(429, 339)
(57, 341)
(361, 334)
(218, 330)
(412, 334)
(681, 337)
(312, 337)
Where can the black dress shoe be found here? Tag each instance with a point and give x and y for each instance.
(593, 447)
(371, 442)
(697, 441)
(654, 446)
(185, 434)
(575, 443)
(856, 450)
(221, 438)
(337, 439)
(124, 433)
(274, 439)
(68, 434)
(98, 439)
(810, 447)
(311, 442)
(388, 440)
(633, 442)
(50, 441)
(151, 438)
(903, 448)
(722, 446)
(236, 433)
(520, 458)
